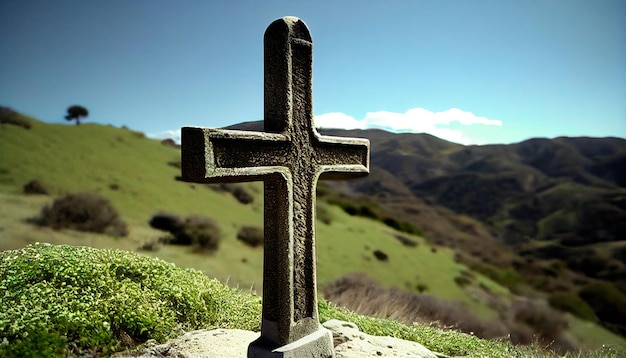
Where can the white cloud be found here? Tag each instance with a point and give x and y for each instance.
(415, 120)
(338, 120)
(170, 134)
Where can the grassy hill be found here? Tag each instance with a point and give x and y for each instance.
(138, 175)
(133, 173)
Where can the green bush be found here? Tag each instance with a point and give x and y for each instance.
(58, 301)
(34, 187)
(406, 241)
(403, 226)
(619, 253)
(570, 302)
(323, 214)
(193, 230)
(462, 281)
(365, 211)
(591, 264)
(543, 322)
(167, 222)
(9, 116)
(364, 208)
(505, 276)
(353, 208)
(251, 235)
(350, 209)
(83, 212)
(381, 255)
(608, 303)
(200, 231)
(236, 190)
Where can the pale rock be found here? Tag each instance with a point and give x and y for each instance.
(358, 344)
(226, 343)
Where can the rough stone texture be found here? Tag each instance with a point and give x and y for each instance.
(226, 343)
(201, 343)
(354, 343)
(289, 157)
(316, 344)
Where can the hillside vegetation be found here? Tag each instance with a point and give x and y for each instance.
(543, 215)
(139, 177)
(60, 301)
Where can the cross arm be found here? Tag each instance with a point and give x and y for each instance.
(216, 155)
(343, 158)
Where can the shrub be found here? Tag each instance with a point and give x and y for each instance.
(323, 214)
(201, 231)
(34, 187)
(591, 264)
(403, 226)
(150, 246)
(365, 211)
(251, 235)
(65, 301)
(242, 195)
(352, 207)
(345, 204)
(236, 190)
(505, 276)
(83, 212)
(194, 230)
(570, 302)
(524, 322)
(358, 292)
(9, 116)
(544, 322)
(462, 280)
(381, 256)
(406, 241)
(166, 222)
(169, 142)
(608, 303)
(619, 253)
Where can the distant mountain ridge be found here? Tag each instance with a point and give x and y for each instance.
(494, 183)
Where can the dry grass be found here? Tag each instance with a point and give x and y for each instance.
(523, 322)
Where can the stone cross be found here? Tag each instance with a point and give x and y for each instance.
(289, 157)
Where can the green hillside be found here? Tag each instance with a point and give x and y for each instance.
(132, 171)
(138, 175)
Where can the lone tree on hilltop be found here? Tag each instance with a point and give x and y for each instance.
(75, 113)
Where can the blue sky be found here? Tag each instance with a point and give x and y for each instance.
(473, 72)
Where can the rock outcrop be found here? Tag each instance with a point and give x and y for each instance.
(349, 342)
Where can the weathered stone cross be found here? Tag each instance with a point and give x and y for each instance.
(289, 157)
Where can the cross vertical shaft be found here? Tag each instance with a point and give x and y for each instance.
(288, 57)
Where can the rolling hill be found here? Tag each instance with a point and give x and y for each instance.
(138, 175)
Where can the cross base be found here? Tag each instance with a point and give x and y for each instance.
(318, 344)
